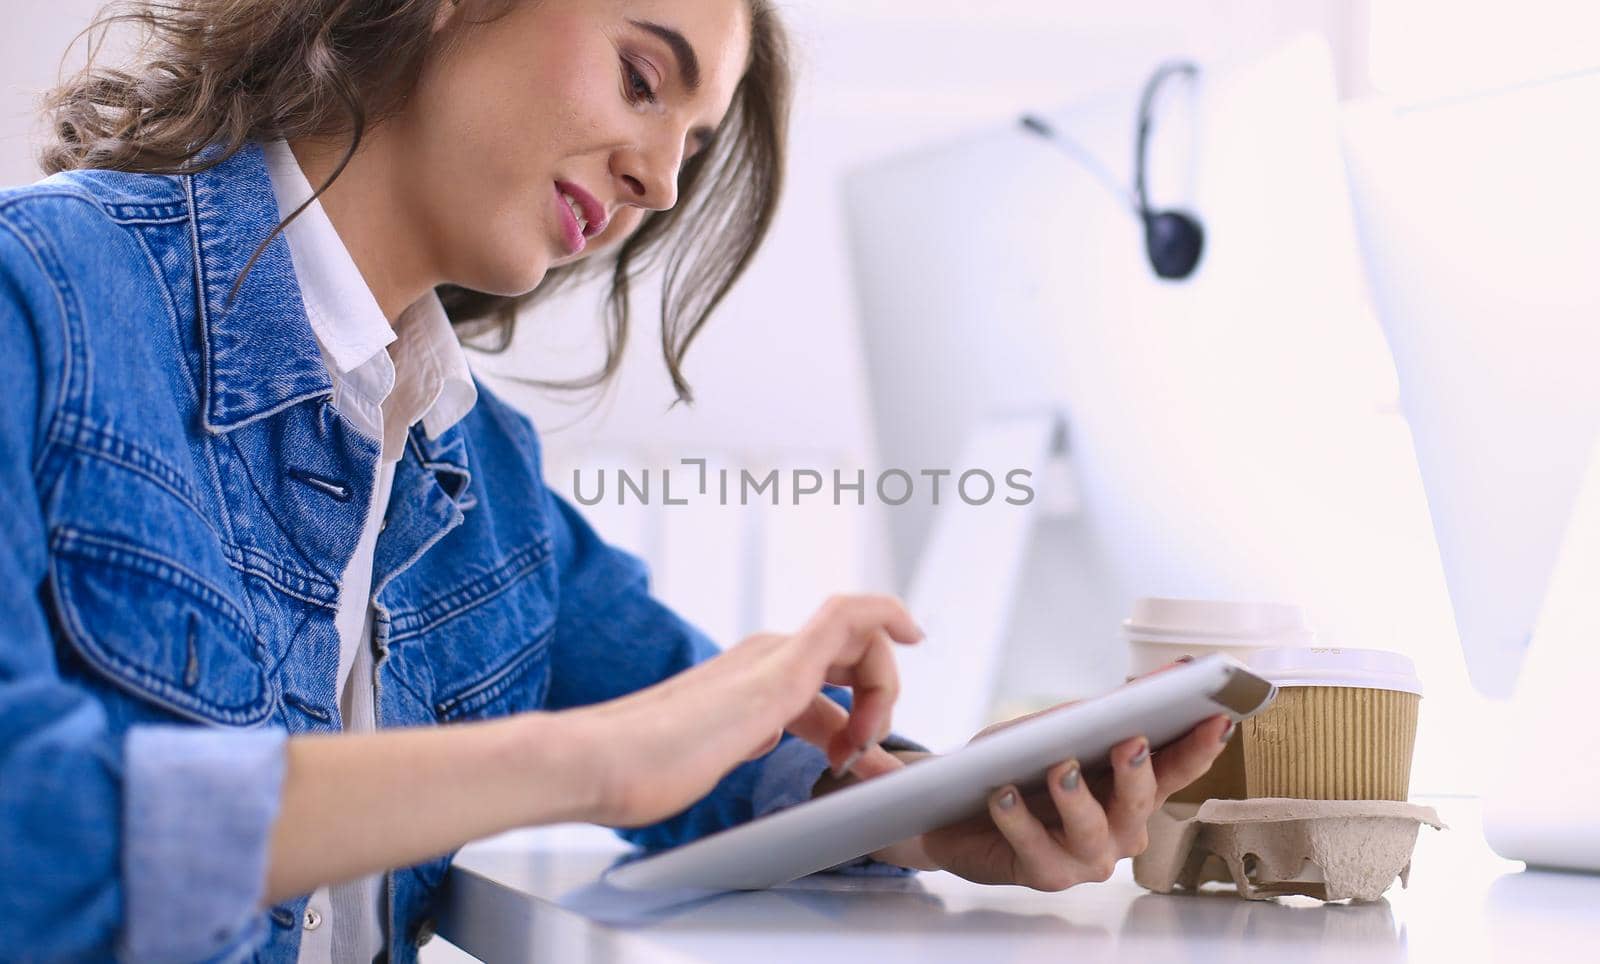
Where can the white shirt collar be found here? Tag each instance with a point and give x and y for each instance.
(425, 375)
(439, 388)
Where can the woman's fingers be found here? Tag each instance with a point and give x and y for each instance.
(770, 744)
(855, 637)
(1037, 860)
(1133, 796)
(823, 724)
(705, 720)
(1083, 820)
(874, 686)
(1181, 763)
(819, 721)
(861, 616)
(1092, 837)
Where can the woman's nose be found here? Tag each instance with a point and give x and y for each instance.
(649, 178)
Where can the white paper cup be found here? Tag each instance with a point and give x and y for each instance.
(1162, 630)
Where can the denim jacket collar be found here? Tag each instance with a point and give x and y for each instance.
(258, 350)
(260, 355)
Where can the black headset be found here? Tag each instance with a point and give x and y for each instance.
(1173, 239)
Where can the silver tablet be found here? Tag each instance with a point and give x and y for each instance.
(848, 823)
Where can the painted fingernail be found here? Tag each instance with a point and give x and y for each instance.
(848, 762)
(1070, 779)
(1008, 800)
(1138, 758)
(1228, 731)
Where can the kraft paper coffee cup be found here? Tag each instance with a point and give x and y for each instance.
(1160, 631)
(1342, 728)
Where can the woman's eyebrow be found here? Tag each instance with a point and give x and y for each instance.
(682, 50)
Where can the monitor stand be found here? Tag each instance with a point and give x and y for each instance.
(967, 578)
(1542, 804)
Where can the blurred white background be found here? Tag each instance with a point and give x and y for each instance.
(780, 375)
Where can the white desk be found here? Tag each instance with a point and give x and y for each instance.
(1464, 904)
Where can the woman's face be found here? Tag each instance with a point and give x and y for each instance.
(558, 103)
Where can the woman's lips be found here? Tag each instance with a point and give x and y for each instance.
(594, 216)
(594, 213)
(571, 234)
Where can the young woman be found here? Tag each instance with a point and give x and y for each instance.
(261, 525)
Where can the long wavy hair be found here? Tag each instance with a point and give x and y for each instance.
(227, 72)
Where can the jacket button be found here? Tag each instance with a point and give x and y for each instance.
(313, 919)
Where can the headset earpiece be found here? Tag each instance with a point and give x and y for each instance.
(1174, 241)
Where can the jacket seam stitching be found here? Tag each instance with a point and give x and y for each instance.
(498, 682)
(125, 672)
(142, 462)
(268, 511)
(46, 448)
(246, 560)
(240, 558)
(500, 581)
(132, 214)
(78, 192)
(67, 538)
(165, 477)
(171, 304)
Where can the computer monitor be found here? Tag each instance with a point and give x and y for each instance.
(1234, 436)
(1477, 215)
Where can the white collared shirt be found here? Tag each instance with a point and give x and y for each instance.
(385, 379)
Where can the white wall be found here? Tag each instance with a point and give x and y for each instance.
(33, 38)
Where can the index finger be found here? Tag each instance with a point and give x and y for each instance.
(862, 616)
(874, 686)
(821, 722)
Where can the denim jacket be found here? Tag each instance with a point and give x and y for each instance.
(179, 498)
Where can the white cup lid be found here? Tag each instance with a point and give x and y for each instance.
(1261, 624)
(1329, 666)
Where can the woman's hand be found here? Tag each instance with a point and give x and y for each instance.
(1077, 826)
(656, 751)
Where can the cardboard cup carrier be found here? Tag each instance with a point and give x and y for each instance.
(1310, 795)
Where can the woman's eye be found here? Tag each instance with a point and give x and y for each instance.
(638, 86)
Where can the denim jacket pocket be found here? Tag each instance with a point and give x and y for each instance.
(157, 629)
(481, 638)
(516, 685)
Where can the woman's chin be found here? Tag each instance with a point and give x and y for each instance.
(509, 279)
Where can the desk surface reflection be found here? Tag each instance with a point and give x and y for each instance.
(533, 896)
